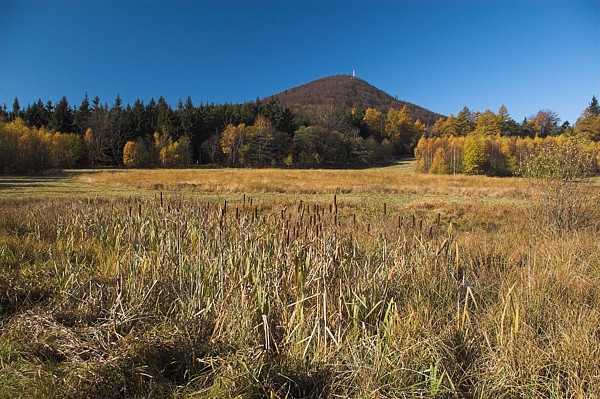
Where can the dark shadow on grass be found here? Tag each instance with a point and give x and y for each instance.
(12, 182)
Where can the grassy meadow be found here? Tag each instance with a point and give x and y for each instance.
(269, 283)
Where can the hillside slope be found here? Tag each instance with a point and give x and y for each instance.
(347, 91)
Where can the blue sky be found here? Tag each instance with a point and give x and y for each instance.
(443, 55)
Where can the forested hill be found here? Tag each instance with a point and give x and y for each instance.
(346, 91)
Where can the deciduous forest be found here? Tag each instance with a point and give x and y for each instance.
(44, 136)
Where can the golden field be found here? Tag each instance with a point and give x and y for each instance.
(245, 283)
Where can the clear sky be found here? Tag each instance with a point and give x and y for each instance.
(442, 55)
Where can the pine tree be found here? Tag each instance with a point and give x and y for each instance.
(594, 107)
(16, 112)
(82, 115)
(62, 118)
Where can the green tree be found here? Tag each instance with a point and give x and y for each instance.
(98, 137)
(306, 146)
(464, 122)
(165, 118)
(36, 115)
(82, 115)
(118, 132)
(62, 117)
(16, 110)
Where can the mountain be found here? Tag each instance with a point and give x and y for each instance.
(347, 91)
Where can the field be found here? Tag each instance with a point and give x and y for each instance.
(245, 283)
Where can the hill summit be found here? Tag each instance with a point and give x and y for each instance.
(347, 91)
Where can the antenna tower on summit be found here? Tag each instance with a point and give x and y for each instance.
(353, 74)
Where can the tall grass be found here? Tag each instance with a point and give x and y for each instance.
(169, 296)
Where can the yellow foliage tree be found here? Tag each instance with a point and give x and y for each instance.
(130, 154)
(400, 129)
(439, 164)
(375, 121)
(232, 140)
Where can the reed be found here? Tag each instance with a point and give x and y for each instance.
(249, 296)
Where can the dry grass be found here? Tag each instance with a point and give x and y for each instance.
(396, 180)
(296, 288)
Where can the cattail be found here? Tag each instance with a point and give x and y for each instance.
(413, 221)
(420, 224)
(161, 199)
(399, 221)
(438, 219)
(384, 209)
(354, 218)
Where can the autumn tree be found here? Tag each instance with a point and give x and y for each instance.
(488, 124)
(176, 153)
(232, 140)
(419, 129)
(258, 148)
(131, 154)
(400, 129)
(375, 122)
(66, 149)
(544, 123)
(588, 124)
(474, 155)
(439, 163)
(9, 134)
(439, 128)
(455, 154)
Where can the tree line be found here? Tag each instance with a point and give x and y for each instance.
(262, 134)
(493, 144)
